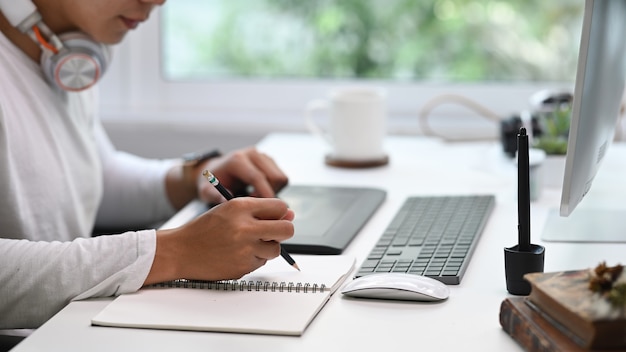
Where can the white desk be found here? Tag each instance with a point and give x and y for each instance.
(467, 321)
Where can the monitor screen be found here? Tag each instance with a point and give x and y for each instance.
(598, 93)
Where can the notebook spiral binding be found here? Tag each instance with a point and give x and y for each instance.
(243, 285)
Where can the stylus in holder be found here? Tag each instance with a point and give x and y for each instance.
(524, 257)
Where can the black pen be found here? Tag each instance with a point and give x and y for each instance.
(226, 194)
(523, 191)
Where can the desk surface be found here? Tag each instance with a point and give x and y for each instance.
(467, 321)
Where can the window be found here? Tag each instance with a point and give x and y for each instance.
(261, 61)
(398, 40)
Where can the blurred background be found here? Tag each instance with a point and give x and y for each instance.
(223, 73)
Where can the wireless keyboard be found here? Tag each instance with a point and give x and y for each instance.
(431, 236)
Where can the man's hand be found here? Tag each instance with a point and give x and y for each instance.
(242, 170)
(227, 242)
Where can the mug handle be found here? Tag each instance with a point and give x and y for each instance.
(313, 107)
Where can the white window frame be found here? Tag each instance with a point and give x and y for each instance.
(133, 90)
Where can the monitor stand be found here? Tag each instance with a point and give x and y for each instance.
(586, 225)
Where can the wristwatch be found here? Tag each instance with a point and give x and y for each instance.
(190, 172)
(194, 159)
(191, 161)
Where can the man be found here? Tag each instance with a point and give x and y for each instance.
(60, 176)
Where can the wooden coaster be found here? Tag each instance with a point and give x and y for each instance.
(356, 164)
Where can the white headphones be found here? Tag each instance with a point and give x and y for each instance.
(71, 61)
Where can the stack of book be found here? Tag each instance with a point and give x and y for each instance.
(562, 313)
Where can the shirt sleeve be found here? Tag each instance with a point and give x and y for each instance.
(40, 278)
(134, 193)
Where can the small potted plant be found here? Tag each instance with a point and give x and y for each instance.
(552, 115)
(554, 127)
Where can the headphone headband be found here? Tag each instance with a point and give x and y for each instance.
(22, 14)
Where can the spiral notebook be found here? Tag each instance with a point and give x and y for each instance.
(275, 299)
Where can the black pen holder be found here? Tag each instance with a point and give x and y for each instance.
(519, 263)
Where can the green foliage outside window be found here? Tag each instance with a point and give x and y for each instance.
(404, 40)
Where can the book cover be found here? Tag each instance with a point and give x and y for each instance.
(530, 330)
(587, 316)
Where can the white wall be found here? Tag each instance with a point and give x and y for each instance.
(170, 140)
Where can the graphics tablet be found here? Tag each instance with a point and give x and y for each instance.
(327, 217)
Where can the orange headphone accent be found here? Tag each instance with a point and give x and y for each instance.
(43, 41)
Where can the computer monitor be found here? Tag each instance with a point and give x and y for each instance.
(598, 92)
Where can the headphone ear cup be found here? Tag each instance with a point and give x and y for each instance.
(78, 65)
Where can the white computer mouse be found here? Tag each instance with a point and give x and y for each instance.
(397, 286)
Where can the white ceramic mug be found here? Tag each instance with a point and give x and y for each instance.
(357, 123)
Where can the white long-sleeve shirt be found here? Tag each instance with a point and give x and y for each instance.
(59, 176)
